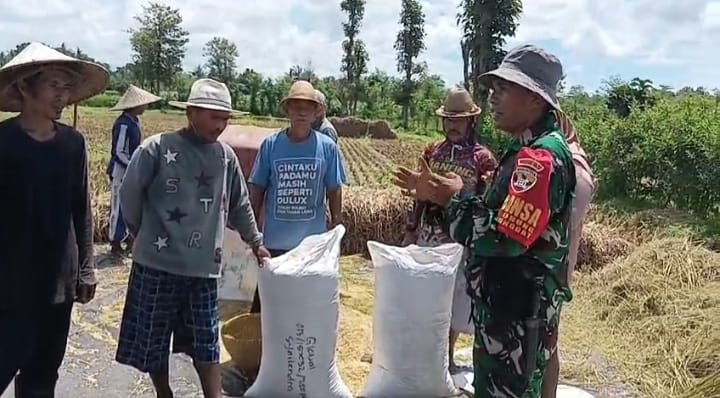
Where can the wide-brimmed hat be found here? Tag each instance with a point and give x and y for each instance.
(134, 97)
(300, 90)
(207, 94)
(321, 98)
(458, 103)
(530, 67)
(93, 78)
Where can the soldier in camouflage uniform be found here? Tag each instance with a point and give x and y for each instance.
(518, 231)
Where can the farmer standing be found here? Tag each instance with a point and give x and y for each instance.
(322, 124)
(517, 231)
(295, 170)
(460, 153)
(126, 137)
(179, 191)
(46, 233)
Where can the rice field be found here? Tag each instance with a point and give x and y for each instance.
(644, 320)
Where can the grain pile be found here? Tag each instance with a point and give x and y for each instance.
(357, 128)
(655, 314)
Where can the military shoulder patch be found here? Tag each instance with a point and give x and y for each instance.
(525, 213)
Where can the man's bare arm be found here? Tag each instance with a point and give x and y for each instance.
(257, 199)
(335, 200)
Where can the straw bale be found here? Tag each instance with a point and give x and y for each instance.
(372, 214)
(356, 128)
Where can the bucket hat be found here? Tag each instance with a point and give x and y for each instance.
(300, 90)
(93, 77)
(135, 96)
(207, 94)
(530, 67)
(458, 103)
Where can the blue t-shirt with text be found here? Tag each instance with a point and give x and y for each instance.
(296, 177)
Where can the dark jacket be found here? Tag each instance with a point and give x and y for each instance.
(46, 242)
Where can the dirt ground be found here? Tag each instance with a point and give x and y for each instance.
(89, 370)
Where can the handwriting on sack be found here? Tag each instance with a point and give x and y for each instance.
(300, 351)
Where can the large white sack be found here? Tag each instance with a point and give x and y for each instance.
(572, 392)
(239, 269)
(300, 296)
(461, 304)
(411, 322)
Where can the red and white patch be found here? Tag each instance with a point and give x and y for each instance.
(525, 213)
(525, 175)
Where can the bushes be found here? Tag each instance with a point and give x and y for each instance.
(106, 100)
(667, 155)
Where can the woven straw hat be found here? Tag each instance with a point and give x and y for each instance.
(93, 78)
(300, 90)
(458, 103)
(207, 94)
(321, 98)
(135, 96)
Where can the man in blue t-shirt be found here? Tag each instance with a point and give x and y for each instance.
(295, 170)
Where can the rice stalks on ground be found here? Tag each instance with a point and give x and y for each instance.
(600, 245)
(654, 314)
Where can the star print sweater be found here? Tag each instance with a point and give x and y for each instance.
(178, 194)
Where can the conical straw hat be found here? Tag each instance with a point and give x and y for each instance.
(94, 78)
(135, 96)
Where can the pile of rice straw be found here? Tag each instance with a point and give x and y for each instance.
(655, 314)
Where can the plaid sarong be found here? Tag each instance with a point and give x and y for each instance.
(160, 305)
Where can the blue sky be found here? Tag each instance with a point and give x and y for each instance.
(670, 42)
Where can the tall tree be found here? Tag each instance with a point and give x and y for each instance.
(485, 24)
(355, 56)
(221, 62)
(409, 43)
(306, 72)
(251, 83)
(159, 44)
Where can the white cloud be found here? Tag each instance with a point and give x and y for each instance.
(274, 35)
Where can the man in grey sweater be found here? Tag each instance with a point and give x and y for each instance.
(179, 192)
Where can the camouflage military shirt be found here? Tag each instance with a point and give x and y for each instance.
(468, 160)
(519, 227)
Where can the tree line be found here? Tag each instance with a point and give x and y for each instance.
(159, 44)
(408, 99)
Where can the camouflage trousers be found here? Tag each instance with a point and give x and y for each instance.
(500, 343)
